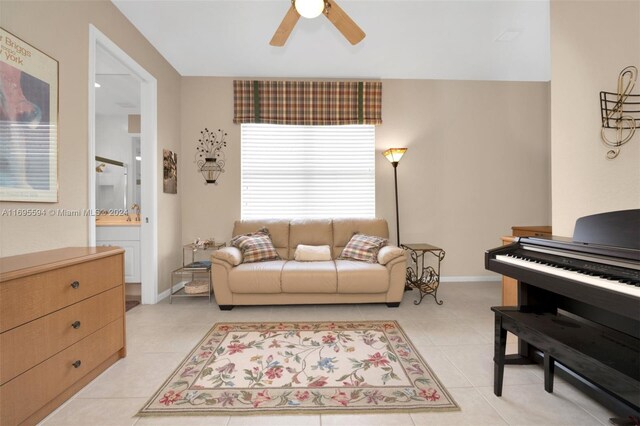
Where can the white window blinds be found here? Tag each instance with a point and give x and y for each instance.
(308, 171)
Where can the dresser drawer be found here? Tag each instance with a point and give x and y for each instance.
(45, 292)
(28, 392)
(32, 343)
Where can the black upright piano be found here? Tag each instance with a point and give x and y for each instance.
(593, 279)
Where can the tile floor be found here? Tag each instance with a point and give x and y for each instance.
(456, 340)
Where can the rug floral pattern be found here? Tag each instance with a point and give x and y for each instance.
(301, 367)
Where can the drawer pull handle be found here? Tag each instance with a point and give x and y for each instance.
(76, 325)
(75, 284)
(77, 364)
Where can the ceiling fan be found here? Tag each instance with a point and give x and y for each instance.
(311, 9)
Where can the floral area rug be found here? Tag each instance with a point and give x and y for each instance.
(301, 367)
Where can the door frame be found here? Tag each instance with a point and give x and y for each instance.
(148, 166)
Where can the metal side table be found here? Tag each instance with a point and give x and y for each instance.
(424, 278)
(192, 274)
(193, 269)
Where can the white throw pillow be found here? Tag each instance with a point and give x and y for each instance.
(312, 253)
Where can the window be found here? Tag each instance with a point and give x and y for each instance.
(308, 171)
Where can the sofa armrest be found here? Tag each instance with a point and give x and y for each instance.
(222, 263)
(231, 255)
(399, 262)
(397, 268)
(388, 253)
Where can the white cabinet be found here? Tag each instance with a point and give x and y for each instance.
(127, 237)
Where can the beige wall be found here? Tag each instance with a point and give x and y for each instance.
(478, 163)
(473, 147)
(61, 29)
(591, 42)
(208, 210)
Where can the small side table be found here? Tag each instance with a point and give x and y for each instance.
(193, 269)
(194, 250)
(424, 278)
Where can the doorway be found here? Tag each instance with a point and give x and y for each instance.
(132, 180)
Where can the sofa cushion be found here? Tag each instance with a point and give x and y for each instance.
(361, 277)
(363, 247)
(309, 277)
(258, 277)
(278, 230)
(343, 230)
(312, 253)
(313, 232)
(256, 246)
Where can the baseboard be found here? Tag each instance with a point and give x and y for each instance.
(163, 295)
(460, 278)
(166, 293)
(471, 278)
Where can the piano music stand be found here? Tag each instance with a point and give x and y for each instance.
(425, 279)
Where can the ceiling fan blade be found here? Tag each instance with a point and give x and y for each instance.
(286, 26)
(338, 17)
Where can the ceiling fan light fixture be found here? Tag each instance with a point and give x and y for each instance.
(312, 8)
(309, 8)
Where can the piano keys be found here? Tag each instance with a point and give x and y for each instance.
(616, 282)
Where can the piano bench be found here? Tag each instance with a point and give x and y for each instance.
(603, 356)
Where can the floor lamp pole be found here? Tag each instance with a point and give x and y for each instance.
(395, 180)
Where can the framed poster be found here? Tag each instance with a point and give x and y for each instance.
(28, 122)
(169, 172)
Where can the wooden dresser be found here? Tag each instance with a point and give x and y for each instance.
(509, 285)
(61, 325)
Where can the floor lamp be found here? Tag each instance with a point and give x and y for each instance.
(394, 155)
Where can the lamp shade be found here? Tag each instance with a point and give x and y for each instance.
(309, 8)
(394, 154)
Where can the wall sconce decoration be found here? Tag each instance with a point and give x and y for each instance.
(620, 111)
(210, 158)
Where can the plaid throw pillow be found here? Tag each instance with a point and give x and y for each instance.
(363, 247)
(255, 247)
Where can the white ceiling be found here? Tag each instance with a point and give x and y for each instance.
(421, 39)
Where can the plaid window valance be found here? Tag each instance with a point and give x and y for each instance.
(307, 102)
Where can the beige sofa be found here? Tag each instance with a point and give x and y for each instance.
(287, 281)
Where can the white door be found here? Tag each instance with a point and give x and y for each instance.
(148, 262)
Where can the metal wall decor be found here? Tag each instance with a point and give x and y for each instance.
(210, 158)
(620, 111)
